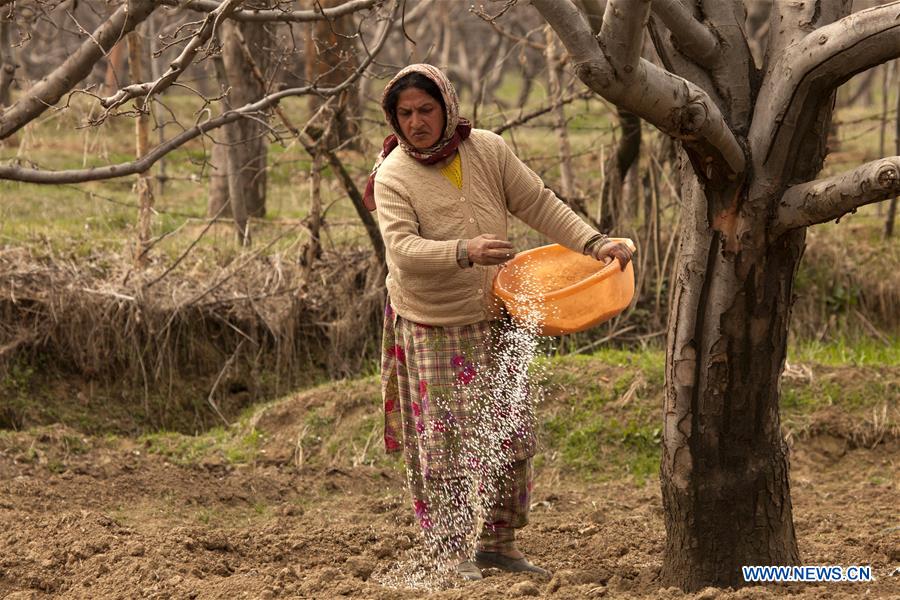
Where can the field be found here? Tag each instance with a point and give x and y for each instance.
(298, 500)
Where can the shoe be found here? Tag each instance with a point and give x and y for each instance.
(495, 560)
(469, 571)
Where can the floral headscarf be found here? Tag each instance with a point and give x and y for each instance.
(456, 129)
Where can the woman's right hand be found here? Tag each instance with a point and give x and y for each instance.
(613, 250)
(488, 249)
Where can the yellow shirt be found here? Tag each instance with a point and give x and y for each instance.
(453, 171)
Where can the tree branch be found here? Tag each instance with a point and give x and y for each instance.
(812, 69)
(789, 22)
(693, 38)
(622, 34)
(828, 199)
(271, 15)
(206, 30)
(674, 105)
(17, 173)
(583, 95)
(49, 90)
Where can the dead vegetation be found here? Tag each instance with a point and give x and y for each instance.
(247, 330)
(848, 281)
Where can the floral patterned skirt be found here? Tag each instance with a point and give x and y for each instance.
(441, 401)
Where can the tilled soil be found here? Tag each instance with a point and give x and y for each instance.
(108, 520)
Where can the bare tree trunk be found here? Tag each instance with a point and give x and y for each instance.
(528, 77)
(863, 88)
(116, 61)
(616, 169)
(724, 471)
(314, 220)
(331, 58)
(160, 124)
(892, 205)
(749, 193)
(885, 97)
(8, 64)
(566, 178)
(244, 162)
(142, 135)
(235, 199)
(446, 29)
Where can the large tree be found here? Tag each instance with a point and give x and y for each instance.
(753, 141)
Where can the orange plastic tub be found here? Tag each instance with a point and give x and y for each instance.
(564, 291)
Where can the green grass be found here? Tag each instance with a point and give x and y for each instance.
(601, 418)
(863, 351)
(590, 429)
(230, 446)
(592, 426)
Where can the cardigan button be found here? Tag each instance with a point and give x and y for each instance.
(462, 198)
(471, 220)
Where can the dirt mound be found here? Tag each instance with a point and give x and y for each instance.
(334, 424)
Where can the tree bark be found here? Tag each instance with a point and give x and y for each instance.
(235, 201)
(331, 58)
(8, 64)
(724, 470)
(245, 156)
(617, 167)
(892, 204)
(566, 178)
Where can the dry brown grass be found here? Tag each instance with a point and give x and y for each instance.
(253, 327)
(849, 281)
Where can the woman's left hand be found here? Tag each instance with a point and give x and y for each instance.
(616, 250)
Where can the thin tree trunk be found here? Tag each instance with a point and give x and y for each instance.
(566, 178)
(314, 220)
(142, 135)
(160, 123)
(116, 61)
(882, 125)
(330, 48)
(616, 169)
(892, 205)
(235, 198)
(247, 149)
(446, 37)
(8, 64)
(863, 88)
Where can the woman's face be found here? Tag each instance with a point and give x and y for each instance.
(420, 118)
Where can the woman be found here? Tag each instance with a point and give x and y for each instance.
(442, 200)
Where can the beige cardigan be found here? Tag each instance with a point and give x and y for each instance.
(423, 217)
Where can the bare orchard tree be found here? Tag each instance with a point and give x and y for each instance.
(752, 144)
(235, 39)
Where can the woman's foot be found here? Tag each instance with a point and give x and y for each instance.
(511, 560)
(468, 570)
